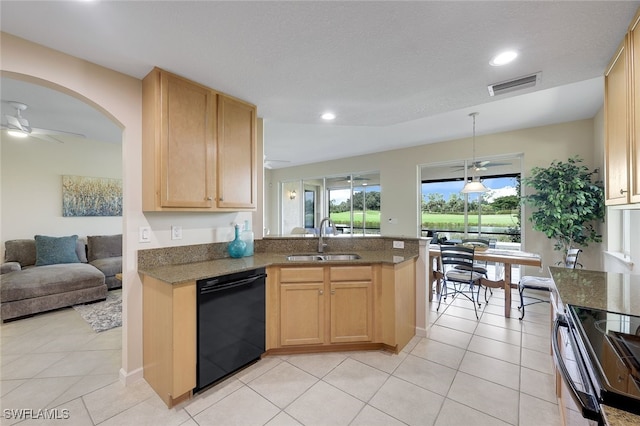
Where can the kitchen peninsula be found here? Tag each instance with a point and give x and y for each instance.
(311, 306)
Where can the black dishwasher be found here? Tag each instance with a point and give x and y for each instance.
(231, 324)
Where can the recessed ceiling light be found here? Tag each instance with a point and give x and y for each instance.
(328, 116)
(504, 58)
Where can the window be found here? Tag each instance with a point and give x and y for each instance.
(309, 208)
(352, 201)
(451, 214)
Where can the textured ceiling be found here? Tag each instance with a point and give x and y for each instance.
(396, 73)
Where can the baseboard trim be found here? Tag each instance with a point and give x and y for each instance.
(132, 376)
(421, 332)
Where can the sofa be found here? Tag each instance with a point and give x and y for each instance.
(47, 273)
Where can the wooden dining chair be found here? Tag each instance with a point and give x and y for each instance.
(458, 274)
(544, 283)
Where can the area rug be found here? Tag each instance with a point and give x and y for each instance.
(103, 315)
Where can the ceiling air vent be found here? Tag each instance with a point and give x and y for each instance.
(515, 84)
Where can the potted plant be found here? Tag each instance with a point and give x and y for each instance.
(568, 203)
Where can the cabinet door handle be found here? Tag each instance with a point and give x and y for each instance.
(333, 292)
(321, 292)
(622, 191)
(209, 198)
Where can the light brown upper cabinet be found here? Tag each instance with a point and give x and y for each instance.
(634, 143)
(236, 153)
(198, 147)
(622, 121)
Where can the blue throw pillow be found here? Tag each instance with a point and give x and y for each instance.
(53, 250)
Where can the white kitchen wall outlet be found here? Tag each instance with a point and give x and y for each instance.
(398, 244)
(144, 234)
(393, 220)
(176, 232)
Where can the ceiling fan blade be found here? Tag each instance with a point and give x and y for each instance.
(498, 164)
(47, 138)
(49, 132)
(268, 164)
(14, 122)
(482, 163)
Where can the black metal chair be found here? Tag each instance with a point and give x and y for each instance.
(481, 267)
(458, 273)
(544, 283)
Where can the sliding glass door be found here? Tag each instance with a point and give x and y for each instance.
(447, 213)
(352, 201)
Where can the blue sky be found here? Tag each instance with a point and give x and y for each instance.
(500, 187)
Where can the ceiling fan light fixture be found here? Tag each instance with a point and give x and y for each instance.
(16, 133)
(474, 185)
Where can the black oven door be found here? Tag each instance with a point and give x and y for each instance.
(572, 368)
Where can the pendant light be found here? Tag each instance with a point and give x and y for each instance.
(474, 185)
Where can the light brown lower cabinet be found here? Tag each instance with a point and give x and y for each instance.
(308, 309)
(322, 308)
(169, 338)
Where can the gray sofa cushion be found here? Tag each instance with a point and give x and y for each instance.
(21, 251)
(50, 279)
(24, 251)
(10, 267)
(109, 265)
(101, 246)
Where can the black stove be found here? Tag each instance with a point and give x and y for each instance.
(609, 345)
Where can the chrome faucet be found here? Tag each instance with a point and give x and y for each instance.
(321, 243)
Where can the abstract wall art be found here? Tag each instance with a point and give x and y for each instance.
(91, 196)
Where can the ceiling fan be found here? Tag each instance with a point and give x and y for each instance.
(17, 125)
(268, 164)
(480, 165)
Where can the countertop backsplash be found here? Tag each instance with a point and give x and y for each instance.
(152, 258)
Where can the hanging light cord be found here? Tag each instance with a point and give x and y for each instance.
(473, 164)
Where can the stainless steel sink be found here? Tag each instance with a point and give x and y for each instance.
(304, 257)
(322, 257)
(340, 256)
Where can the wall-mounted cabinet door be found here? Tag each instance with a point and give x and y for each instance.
(236, 182)
(178, 150)
(616, 129)
(634, 143)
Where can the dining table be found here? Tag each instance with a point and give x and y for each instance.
(506, 257)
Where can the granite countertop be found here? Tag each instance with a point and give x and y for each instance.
(601, 290)
(609, 291)
(180, 273)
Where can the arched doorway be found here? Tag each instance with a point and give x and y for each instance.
(118, 96)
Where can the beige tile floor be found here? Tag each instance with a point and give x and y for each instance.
(491, 371)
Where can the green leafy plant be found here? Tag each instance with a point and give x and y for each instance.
(568, 203)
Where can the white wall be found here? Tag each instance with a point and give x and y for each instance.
(119, 97)
(399, 174)
(31, 176)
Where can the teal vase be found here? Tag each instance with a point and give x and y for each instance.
(237, 247)
(247, 237)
